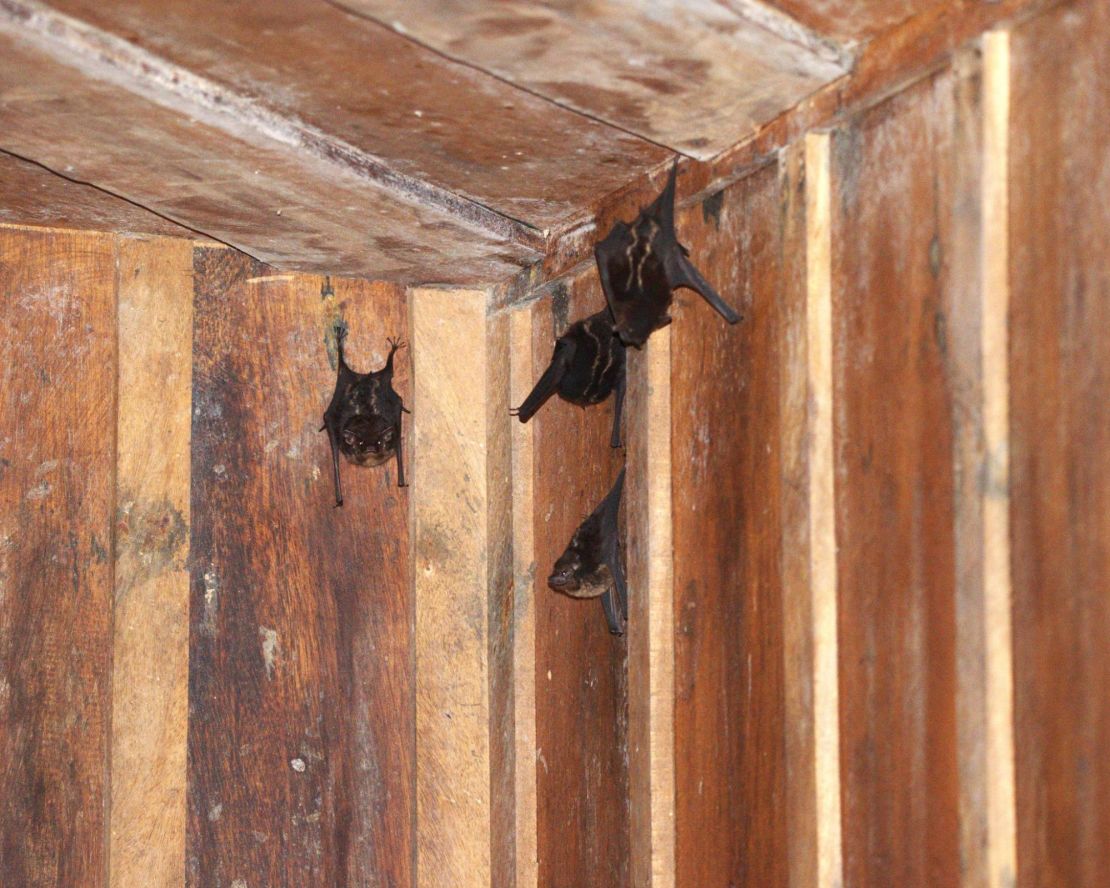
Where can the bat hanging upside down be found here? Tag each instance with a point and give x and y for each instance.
(591, 565)
(363, 419)
(640, 265)
(587, 365)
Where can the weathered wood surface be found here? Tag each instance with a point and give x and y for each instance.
(854, 19)
(581, 686)
(258, 194)
(1059, 359)
(388, 99)
(150, 651)
(301, 729)
(892, 190)
(462, 531)
(729, 667)
(32, 195)
(56, 450)
(668, 72)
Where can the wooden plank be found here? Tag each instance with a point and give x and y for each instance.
(854, 19)
(189, 164)
(31, 195)
(150, 650)
(56, 450)
(581, 686)
(729, 708)
(892, 187)
(523, 372)
(1059, 353)
(673, 80)
(809, 522)
(977, 315)
(301, 765)
(462, 515)
(388, 101)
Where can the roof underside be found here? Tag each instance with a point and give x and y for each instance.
(413, 140)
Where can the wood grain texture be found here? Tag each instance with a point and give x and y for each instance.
(150, 651)
(204, 169)
(389, 99)
(462, 525)
(31, 195)
(581, 683)
(854, 19)
(977, 312)
(301, 768)
(892, 187)
(523, 372)
(651, 615)
(729, 718)
(673, 81)
(809, 583)
(57, 436)
(1059, 362)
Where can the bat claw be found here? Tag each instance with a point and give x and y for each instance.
(396, 343)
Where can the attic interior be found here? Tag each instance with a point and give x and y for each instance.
(865, 529)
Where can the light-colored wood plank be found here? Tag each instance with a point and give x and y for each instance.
(463, 586)
(809, 550)
(522, 377)
(150, 652)
(651, 615)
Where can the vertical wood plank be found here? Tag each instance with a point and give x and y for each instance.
(893, 433)
(150, 653)
(809, 522)
(463, 584)
(651, 643)
(582, 768)
(57, 437)
(976, 365)
(301, 762)
(522, 371)
(726, 640)
(1059, 364)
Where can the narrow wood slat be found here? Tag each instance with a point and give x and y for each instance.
(301, 765)
(150, 651)
(57, 436)
(464, 590)
(1058, 360)
(651, 642)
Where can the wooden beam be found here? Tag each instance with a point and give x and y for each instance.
(150, 660)
(463, 573)
(651, 616)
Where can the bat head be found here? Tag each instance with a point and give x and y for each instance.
(565, 576)
(368, 440)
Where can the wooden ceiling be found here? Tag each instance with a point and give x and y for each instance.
(416, 140)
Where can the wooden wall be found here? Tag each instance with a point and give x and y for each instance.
(865, 529)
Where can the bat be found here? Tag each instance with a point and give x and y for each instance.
(363, 420)
(591, 565)
(640, 265)
(587, 365)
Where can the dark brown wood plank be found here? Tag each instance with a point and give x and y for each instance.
(729, 690)
(301, 735)
(31, 195)
(364, 86)
(57, 446)
(265, 197)
(668, 73)
(581, 685)
(892, 190)
(1060, 444)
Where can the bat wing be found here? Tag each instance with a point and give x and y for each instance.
(633, 276)
(548, 383)
(615, 601)
(681, 273)
(332, 423)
